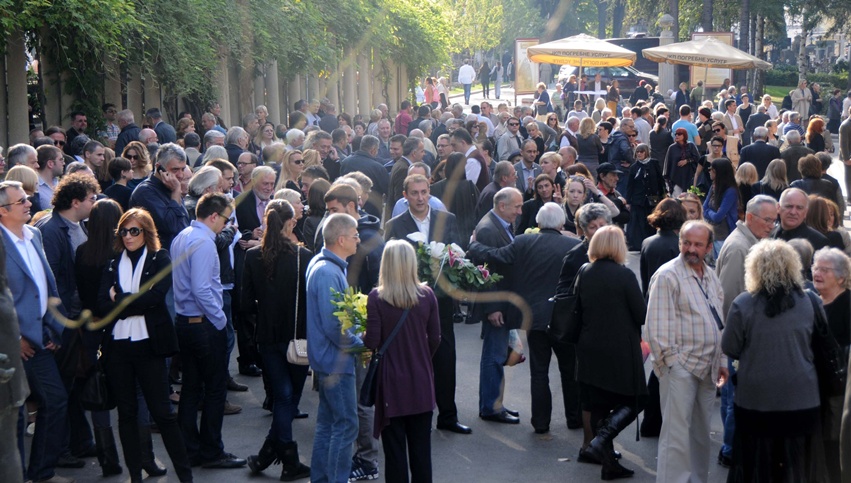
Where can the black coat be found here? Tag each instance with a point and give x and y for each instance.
(570, 265)
(790, 156)
(462, 202)
(442, 228)
(490, 232)
(656, 251)
(608, 352)
(820, 187)
(151, 302)
(528, 215)
(537, 254)
(759, 154)
(274, 299)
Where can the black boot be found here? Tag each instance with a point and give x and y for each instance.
(266, 457)
(107, 452)
(149, 464)
(293, 469)
(601, 446)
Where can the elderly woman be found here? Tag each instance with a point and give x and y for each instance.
(610, 370)
(769, 331)
(645, 188)
(774, 181)
(184, 126)
(294, 199)
(206, 180)
(832, 278)
(538, 253)
(597, 113)
(589, 219)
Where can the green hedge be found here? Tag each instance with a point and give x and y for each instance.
(789, 77)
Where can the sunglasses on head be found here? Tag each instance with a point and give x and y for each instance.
(135, 231)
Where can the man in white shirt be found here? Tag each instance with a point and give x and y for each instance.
(462, 143)
(466, 76)
(597, 86)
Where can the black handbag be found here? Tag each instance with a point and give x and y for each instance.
(566, 321)
(828, 356)
(370, 383)
(95, 395)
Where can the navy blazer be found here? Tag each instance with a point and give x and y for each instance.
(60, 257)
(165, 133)
(36, 329)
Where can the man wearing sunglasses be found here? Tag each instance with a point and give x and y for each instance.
(732, 144)
(510, 141)
(31, 282)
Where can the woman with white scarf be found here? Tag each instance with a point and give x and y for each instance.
(141, 336)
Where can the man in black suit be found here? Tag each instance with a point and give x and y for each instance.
(250, 208)
(498, 318)
(504, 175)
(165, 131)
(754, 121)
(760, 153)
(366, 161)
(793, 154)
(441, 227)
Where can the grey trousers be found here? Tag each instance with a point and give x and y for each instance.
(10, 457)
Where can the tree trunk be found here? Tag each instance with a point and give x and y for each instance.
(744, 25)
(674, 11)
(602, 6)
(802, 48)
(618, 14)
(706, 16)
(759, 74)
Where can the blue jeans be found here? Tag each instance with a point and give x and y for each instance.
(50, 425)
(728, 417)
(336, 429)
(287, 381)
(467, 93)
(491, 375)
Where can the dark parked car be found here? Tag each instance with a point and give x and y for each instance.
(627, 77)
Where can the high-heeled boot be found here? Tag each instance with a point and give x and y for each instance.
(149, 463)
(602, 448)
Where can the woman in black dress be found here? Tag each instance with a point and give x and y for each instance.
(660, 140)
(645, 188)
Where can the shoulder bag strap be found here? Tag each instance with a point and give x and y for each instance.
(387, 342)
(297, 287)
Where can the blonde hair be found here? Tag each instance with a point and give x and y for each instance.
(398, 284)
(288, 194)
(746, 174)
(599, 105)
(311, 158)
(775, 175)
(26, 176)
(772, 266)
(608, 243)
(552, 154)
(286, 173)
(587, 126)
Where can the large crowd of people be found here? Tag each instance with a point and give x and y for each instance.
(177, 247)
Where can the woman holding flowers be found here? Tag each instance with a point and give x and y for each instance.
(405, 396)
(273, 285)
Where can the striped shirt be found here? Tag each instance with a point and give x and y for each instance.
(680, 326)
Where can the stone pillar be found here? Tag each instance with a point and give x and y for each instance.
(294, 93)
(222, 84)
(666, 71)
(134, 93)
(259, 91)
(321, 88)
(404, 92)
(334, 90)
(52, 99)
(350, 82)
(16, 88)
(273, 91)
(375, 73)
(312, 87)
(234, 115)
(112, 84)
(154, 96)
(393, 89)
(364, 83)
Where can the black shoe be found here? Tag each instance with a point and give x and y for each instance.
(235, 386)
(501, 417)
(542, 430)
(267, 404)
(574, 425)
(724, 461)
(455, 427)
(69, 461)
(225, 461)
(250, 370)
(300, 415)
(91, 452)
(512, 412)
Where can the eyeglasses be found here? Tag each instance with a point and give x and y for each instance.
(767, 219)
(817, 269)
(355, 236)
(134, 232)
(717, 145)
(58, 143)
(133, 156)
(240, 163)
(19, 202)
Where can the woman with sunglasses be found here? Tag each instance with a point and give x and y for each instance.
(140, 338)
(292, 166)
(680, 163)
(137, 154)
(274, 286)
(722, 203)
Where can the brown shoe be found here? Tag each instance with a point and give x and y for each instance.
(232, 408)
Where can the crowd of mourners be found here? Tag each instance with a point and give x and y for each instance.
(176, 245)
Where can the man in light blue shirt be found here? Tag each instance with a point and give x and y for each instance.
(331, 355)
(201, 333)
(685, 123)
